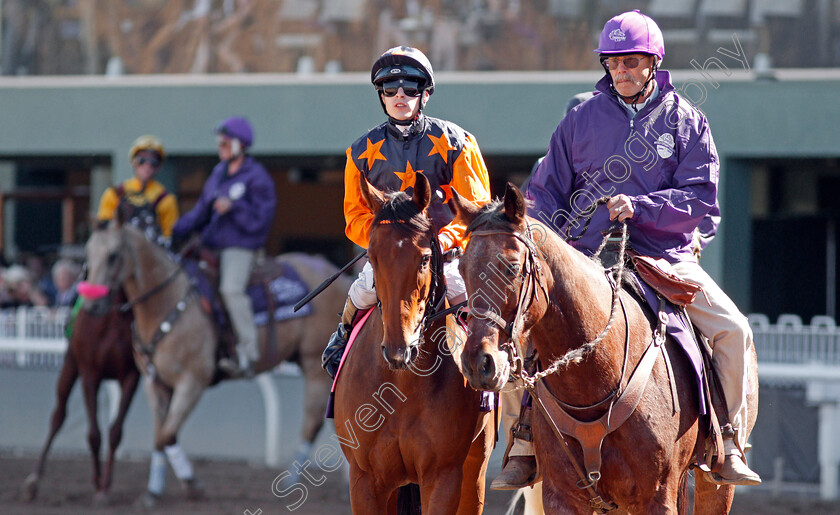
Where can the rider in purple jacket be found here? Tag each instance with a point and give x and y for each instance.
(650, 151)
(234, 215)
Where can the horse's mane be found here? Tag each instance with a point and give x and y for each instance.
(490, 216)
(399, 209)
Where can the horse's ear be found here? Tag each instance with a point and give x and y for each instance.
(465, 210)
(515, 208)
(422, 192)
(373, 198)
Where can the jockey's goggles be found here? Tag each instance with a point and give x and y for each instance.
(151, 161)
(409, 87)
(630, 63)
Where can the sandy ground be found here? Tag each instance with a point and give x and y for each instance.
(237, 488)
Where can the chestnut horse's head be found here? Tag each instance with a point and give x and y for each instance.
(109, 264)
(505, 291)
(405, 255)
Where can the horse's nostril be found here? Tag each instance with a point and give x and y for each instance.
(411, 354)
(488, 367)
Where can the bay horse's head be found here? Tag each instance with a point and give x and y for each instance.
(501, 270)
(405, 255)
(109, 264)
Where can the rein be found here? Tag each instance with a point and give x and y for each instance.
(148, 294)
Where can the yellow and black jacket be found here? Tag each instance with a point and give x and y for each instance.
(132, 191)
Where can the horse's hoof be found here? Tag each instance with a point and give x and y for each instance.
(30, 488)
(147, 502)
(101, 498)
(193, 489)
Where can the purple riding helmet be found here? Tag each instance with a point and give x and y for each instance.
(629, 33)
(237, 127)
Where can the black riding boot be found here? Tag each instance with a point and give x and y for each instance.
(331, 358)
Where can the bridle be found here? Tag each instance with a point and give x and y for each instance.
(436, 301)
(530, 278)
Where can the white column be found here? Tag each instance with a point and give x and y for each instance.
(826, 396)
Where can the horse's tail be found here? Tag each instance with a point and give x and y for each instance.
(408, 499)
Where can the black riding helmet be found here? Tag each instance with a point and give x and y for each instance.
(403, 63)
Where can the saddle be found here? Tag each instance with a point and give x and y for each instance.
(656, 273)
(274, 287)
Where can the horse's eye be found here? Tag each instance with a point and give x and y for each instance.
(424, 262)
(112, 258)
(513, 269)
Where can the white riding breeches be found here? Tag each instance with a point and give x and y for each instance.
(363, 289)
(730, 337)
(235, 266)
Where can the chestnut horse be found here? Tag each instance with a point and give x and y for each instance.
(645, 461)
(99, 349)
(179, 341)
(410, 417)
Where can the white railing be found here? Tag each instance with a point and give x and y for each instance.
(789, 341)
(34, 338)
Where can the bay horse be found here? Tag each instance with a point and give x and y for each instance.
(177, 340)
(99, 349)
(403, 413)
(644, 462)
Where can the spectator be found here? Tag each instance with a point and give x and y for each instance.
(64, 275)
(20, 290)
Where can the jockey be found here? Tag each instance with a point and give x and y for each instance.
(151, 206)
(234, 214)
(390, 156)
(646, 147)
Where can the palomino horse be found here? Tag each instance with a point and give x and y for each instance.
(410, 417)
(644, 462)
(177, 340)
(99, 349)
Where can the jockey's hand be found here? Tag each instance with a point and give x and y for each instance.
(222, 205)
(621, 208)
(445, 242)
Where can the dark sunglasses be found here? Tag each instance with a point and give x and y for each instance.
(630, 62)
(410, 88)
(152, 161)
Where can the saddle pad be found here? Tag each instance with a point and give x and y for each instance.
(286, 289)
(330, 412)
(680, 330)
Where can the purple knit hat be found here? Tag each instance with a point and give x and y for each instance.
(631, 32)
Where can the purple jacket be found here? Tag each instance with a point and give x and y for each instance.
(249, 220)
(664, 159)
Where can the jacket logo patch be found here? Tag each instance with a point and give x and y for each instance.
(665, 146)
(618, 35)
(236, 190)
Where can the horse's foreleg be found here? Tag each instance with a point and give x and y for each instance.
(66, 380)
(158, 396)
(316, 393)
(366, 496)
(184, 398)
(711, 499)
(475, 470)
(129, 386)
(91, 389)
(443, 495)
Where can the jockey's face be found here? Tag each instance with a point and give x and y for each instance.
(146, 164)
(403, 107)
(629, 81)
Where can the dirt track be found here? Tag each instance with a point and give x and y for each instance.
(237, 488)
